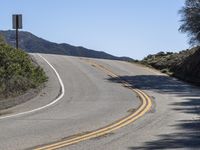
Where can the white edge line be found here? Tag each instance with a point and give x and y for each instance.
(48, 105)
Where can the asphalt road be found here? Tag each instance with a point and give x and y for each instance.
(92, 100)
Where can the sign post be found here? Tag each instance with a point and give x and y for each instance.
(17, 24)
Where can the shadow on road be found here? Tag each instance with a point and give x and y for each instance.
(188, 131)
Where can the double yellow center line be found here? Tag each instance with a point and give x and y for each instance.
(143, 108)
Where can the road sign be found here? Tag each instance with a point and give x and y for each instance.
(17, 21)
(17, 24)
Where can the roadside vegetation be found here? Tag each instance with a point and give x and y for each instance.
(18, 73)
(183, 65)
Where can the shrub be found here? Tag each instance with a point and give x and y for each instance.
(17, 72)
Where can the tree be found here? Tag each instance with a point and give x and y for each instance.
(190, 18)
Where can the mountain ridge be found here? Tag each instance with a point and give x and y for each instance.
(33, 44)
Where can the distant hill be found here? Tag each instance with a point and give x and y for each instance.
(34, 44)
(184, 65)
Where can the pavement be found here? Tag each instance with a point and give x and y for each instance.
(92, 100)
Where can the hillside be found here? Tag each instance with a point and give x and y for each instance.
(34, 44)
(183, 65)
(17, 72)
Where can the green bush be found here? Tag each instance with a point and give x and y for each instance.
(2, 40)
(17, 72)
(183, 65)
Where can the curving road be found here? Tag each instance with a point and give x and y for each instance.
(94, 97)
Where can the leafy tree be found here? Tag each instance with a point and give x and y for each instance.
(190, 17)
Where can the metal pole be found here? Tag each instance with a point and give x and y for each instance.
(17, 39)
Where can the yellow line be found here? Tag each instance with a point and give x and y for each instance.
(144, 107)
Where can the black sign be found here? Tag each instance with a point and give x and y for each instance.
(17, 21)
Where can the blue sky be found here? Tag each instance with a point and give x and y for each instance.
(133, 28)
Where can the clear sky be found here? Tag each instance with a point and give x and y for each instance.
(133, 28)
